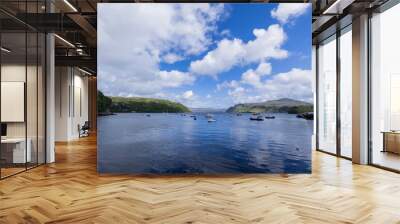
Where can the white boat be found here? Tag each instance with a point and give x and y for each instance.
(211, 120)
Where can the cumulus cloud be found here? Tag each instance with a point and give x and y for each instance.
(174, 78)
(264, 69)
(296, 84)
(228, 84)
(229, 53)
(171, 58)
(289, 11)
(253, 77)
(187, 95)
(134, 38)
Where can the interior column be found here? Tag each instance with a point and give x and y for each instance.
(360, 90)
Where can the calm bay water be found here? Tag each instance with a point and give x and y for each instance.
(172, 143)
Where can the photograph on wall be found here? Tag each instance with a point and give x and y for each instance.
(204, 88)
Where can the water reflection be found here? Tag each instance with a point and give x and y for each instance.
(172, 143)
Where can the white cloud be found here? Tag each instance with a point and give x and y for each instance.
(226, 33)
(187, 95)
(288, 11)
(126, 84)
(295, 84)
(264, 68)
(228, 84)
(175, 78)
(134, 38)
(237, 92)
(253, 77)
(229, 53)
(171, 58)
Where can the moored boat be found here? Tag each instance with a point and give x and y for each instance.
(256, 118)
(210, 116)
(306, 115)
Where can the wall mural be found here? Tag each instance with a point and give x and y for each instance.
(204, 88)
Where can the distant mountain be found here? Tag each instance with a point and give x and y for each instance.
(207, 110)
(138, 104)
(284, 105)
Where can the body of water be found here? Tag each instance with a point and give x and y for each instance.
(172, 143)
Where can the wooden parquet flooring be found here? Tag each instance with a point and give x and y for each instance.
(71, 191)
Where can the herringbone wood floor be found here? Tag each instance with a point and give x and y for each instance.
(70, 191)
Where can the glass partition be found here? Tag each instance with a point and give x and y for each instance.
(23, 90)
(14, 153)
(327, 95)
(385, 89)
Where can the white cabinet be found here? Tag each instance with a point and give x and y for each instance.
(19, 154)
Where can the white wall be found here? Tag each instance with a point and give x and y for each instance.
(71, 102)
(33, 125)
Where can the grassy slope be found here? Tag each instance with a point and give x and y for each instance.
(146, 105)
(273, 106)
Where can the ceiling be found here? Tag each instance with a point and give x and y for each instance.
(75, 22)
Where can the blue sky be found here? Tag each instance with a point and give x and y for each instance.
(206, 55)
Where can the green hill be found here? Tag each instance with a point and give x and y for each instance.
(283, 105)
(103, 103)
(138, 104)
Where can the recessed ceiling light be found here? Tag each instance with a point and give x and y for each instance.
(5, 50)
(70, 5)
(64, 40)
(84, 71)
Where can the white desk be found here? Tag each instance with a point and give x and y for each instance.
(19, 153)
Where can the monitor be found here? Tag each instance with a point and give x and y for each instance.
(3, 129)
